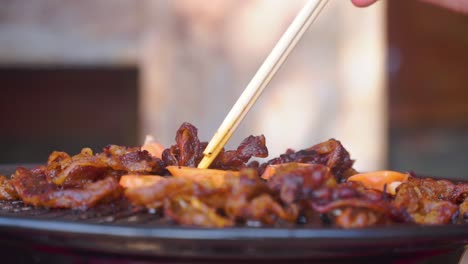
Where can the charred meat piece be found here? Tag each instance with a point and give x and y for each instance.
(461, 193)
(263, 209)
(76, 171)
(426, 211)
(329, 153)
(183, 201)
(252, 146)
(439, 189)
(351, 205)
(295, 182)
(91, 194)
(188, 151)
(243, 198)
(192, 212)
(427, 201)
(154, 196)
(295, 187)
(33, 188)
(463, 210)
(250, 199)
(351, 217)
(434, 189)
(84, 168)
(7, 191)
(30, 185)
(131, 160)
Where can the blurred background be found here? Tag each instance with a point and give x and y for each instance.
(388, 81)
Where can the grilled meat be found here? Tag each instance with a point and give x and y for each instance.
(329, 153)
(188, 151)
(292, 187)
(7, 191)
(429, 201)
(33, 188)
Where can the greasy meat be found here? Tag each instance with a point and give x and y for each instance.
(188, 151)
(253, 146)
(329, 153)
(250, 199)
(300, 186)
(429, 201)
(315, 187)
(243, 198)
(155, 195)
(33, 188)
(356, 217)
(79, 181)
(193, 212)
(66, 171)
(131, 160)
(85, 167)
(7, 191)
(296, 183)
(464, 211)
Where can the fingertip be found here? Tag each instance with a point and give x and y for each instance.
(363, 3)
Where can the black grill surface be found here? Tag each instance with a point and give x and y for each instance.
(121, 229)
(117, 213)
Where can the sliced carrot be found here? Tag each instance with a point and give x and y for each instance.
(154, 148)
(378, 179)
(272, 169)
(214, 178)
(133, 181)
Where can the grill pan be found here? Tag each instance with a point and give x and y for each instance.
(124, 230)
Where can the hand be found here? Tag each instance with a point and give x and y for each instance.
(455, 5)
(363, 3)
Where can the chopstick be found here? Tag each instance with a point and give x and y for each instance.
(261, 79)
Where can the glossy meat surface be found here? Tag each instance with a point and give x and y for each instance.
(296, 183)
(464, 211)
(244, 198)
(79, 181)
(7, 191)
(429, 201)
(250, 199)
(83, 168)
(188, 151)
(329, 153)
(33, 188)
(291, 189)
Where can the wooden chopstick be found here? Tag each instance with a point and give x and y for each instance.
(260, 80)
